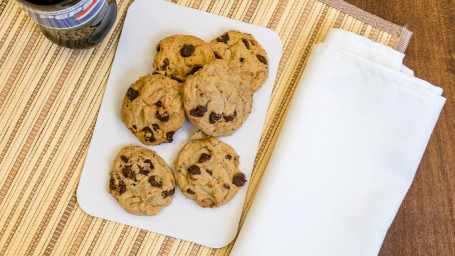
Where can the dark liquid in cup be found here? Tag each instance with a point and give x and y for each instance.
(44, 2)
(96, 24)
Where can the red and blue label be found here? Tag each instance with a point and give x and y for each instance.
(71, 17)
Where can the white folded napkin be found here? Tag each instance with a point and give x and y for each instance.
(353, 138)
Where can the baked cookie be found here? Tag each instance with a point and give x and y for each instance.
(141, 181)
(179, 56)
(152, 109)
(244, 49)
(218, 98)
(206, 171)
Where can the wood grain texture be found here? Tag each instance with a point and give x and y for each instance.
(425, 223)
(50, 96)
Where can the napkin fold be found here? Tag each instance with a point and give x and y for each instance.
(348, 151)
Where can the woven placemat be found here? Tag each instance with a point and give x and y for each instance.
(49, 100)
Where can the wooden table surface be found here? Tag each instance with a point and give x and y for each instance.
(425, 223)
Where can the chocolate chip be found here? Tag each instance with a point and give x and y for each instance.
(261, 59)
(112, 185)
(124, 159)
(154, 182)
(165, 64)
(217, 55)
(239, 179)
(230, 117)
(199, 111)
(167, 193)
(155, 73)
(132, 94)
(187, 50)
(128, 173)
(214, 117)
(143, 171)
(159, 104)
(207, 202)
(155, 127)
(193, 70)
(226, 186)
(121, 187)
(170, 136)
(228, 157)
(148, 134)
(134, 127)
(149, 162)
(177, 79)
(194, 170)
(241, 59)
(209, 171)
(158, 48)
(163, 118)
(224, 38)
(189, 191)
(204, 158)
(247, 45)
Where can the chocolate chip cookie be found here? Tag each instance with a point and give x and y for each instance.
(244, 49)
(206, 171)
(141, 181)
(218, 98)
(152, 109)
(179, 56)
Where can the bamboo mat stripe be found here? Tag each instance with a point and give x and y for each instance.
(49, 101)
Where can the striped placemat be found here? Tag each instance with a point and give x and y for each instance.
(49, 99)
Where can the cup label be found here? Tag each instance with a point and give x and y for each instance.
(71, 17)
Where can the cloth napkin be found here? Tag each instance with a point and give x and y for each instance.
(348, 151)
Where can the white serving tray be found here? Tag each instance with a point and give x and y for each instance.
(147, 22)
